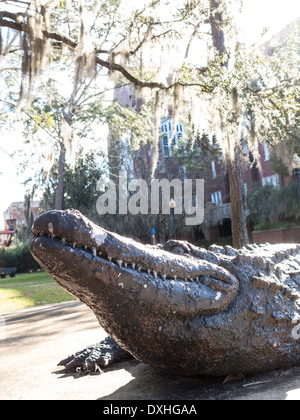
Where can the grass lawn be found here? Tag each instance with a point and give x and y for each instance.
(31, 289)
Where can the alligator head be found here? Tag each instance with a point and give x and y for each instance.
(66, 242)
(125, 283)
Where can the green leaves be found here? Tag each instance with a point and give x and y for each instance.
(270, 204)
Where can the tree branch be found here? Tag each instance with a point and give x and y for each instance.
(13, 23)
(191, 39)
(55, 36)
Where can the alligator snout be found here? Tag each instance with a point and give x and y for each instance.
(70, 226)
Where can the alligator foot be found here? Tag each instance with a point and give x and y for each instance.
(95, 357)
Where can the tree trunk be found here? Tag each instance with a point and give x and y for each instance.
(240, 236)
(59, 194)
(216, 24)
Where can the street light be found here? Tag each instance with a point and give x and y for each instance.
(172, 205)
(296, 166)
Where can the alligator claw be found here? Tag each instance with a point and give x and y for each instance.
(95, 357)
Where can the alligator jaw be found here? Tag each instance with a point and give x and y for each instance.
(86, 259)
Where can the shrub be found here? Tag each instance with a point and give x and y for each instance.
(260, 203)
(273, 205)
(203, 243)
(270, 226)
(18, 256)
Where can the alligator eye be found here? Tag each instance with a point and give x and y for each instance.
(177, 247)
(177, 250)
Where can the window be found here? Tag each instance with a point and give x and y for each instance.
(168, 142)
(213, 167)
(173, 143)
(166, 146)
(267, 151)
(271, 180)
(217, 198)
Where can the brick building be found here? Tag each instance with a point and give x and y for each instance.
(217, 221)
(217, 190)
(14, 216)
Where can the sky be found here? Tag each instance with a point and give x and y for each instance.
(257, 15)
(275, 14)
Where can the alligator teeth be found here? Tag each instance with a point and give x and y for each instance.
(197, 278)
(94, 252)
(109, 259)
(63, 241)
(85, 247)
(149, 271)
(164, 276)
(125, 264)
(120, 263)
(74, 244)
(133, 265)
(175, 278)
(139, 268)
(155, 274)
(50, 227)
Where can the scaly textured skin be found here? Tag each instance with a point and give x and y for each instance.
(180, 309)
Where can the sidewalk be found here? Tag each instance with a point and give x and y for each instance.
(34, 340)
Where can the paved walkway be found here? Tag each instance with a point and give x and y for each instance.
(32, 341)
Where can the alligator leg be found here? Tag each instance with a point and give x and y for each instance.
(95, 357)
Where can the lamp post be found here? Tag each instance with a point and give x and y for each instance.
(153, 232)
(172, 206)
(296, 166)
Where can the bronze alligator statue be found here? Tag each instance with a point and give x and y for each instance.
(180, 309)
